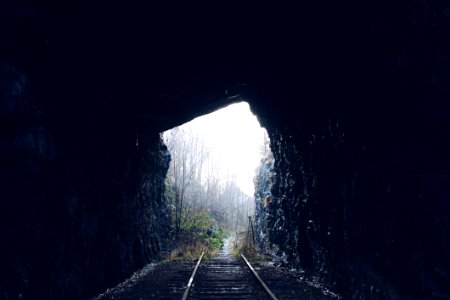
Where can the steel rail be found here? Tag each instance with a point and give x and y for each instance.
(186, 292)
(266, 288)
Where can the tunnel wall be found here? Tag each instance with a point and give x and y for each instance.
(365, 218)
(360, 184)
(361, 179)
(82, 198)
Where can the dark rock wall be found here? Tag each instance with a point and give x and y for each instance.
(263, 182)
(365, 218)
(82, 200)
(26, 151)
(359, 196)
(354, 96)
(361, 140)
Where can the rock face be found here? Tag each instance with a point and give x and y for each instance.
(356, 106)
(358, 217)
(78, 212)
(263, 196)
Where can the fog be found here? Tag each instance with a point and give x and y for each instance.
(234, 138)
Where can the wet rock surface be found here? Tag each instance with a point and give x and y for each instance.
(358, 227)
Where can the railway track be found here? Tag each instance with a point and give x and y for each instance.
(222, 277)
(225, 277)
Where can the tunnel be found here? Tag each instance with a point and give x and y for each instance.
(354, 97)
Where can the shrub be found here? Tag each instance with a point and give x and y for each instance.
(198, 233)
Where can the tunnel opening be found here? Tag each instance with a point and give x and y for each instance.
(212, 175)
(83, 166)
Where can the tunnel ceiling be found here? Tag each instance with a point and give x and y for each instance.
(145, 59)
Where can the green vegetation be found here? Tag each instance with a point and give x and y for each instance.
(198, 233)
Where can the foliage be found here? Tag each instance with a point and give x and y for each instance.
(198, 233)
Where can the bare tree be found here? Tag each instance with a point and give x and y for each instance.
(187, 157)
(197, 182)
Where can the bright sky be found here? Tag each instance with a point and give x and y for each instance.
(235, 139)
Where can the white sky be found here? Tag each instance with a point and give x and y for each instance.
(235, 138)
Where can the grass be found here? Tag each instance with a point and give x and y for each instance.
(192, 251)
(242, 244)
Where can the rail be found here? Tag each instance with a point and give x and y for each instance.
(260, 281)
(265, 287)
(186, 292)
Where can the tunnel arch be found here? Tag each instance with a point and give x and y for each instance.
(339, 193)
(355, 105)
